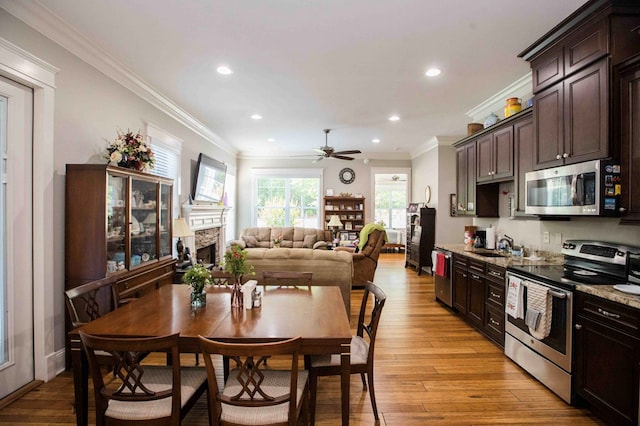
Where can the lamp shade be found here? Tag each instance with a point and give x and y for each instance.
(181, 229)
(335, 221)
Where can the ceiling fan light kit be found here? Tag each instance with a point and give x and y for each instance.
(329, 152)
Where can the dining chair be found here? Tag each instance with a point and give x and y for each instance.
(142, 394)
(362, 350)
(221, 278)
(253, 394)
(287, 279)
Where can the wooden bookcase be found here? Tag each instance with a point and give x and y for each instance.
(351, 211)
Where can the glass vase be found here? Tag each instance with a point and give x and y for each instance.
(236, 293)
(198, 299)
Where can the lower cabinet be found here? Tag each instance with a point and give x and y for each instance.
(475, 291)
(607, 356)
(460, 283)
(494, 317)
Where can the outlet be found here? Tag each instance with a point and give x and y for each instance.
(557, 238)
(546, 238)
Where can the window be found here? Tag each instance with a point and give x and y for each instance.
(166, 148)
(391, 190)
(287, 198)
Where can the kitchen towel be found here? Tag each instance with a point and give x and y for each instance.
(515, 305)
(539, 300)
(441, 265)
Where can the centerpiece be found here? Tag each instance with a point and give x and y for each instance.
(131, 151)
(235, 263)
(277, 240)
(197, 277)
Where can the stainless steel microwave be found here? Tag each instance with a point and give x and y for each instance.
(592, 188)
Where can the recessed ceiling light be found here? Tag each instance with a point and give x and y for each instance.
(394, 118)
(224, 70)
(256, 117)
(271, 140)
(433, 72)
(375, 140)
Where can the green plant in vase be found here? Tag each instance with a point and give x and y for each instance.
(197, 277)
(235, 263)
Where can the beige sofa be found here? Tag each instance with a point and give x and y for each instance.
(290, 237)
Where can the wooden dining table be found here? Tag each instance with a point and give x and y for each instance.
(317, 315)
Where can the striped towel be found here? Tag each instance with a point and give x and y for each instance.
(539, 300)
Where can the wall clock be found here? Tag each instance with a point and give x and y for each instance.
(347, 175)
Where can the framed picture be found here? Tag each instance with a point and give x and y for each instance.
(348, 226)
(453, 202)
(329, 192)
(413, 208)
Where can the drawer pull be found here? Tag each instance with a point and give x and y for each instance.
(475, 277)
(578, 326)
(495, 274)
(608, 314)
(494, 322)
(496, 295)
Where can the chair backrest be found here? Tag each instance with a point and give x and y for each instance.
(250, 363)
(221, 278)
(91, 300)
(287, 279)
(374, 244)
(368, 321)
(134, 385)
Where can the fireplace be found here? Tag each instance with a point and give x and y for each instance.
(208, 223)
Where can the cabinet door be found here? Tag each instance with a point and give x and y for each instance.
(143, 222)
(164, 220)
(548, 127)
(547, 69)
(116, 221)
(586, 112)
(630, 140)
(523, 149)
(485, 158)
(470, 207)
(460, 290)
(503, 153)
(476, 301)
(461, 180)
(607, 371)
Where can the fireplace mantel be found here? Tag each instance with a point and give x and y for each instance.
(202, 217)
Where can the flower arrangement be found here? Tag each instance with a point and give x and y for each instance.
(235, 262)
(131, 151)
(197, 277)
(277, 239)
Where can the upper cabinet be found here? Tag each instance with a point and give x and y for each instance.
(466, 179)
(629, 115)
(495, 156)
(572, 71)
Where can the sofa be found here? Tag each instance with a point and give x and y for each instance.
(301, 250)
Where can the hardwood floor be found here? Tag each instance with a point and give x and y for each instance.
(431, 368)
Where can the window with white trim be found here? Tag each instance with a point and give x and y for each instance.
(166, 149)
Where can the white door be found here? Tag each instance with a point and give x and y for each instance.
(16, 266)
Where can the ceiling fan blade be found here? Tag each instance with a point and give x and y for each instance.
(342, 157)
(318, 159)
(319, 150)
(353, 151)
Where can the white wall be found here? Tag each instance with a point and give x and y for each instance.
(89, 109)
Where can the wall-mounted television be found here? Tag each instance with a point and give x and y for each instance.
(208, 182)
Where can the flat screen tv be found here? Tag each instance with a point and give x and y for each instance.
(208, 182)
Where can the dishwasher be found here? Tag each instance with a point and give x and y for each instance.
(442, 271)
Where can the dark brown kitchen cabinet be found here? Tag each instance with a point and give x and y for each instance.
(571, 119)
(466, 179)
(628, 111)
(523, 159)
(460, 283)
(607, 357)
(495, 156)
(421, 239)
(476, 293)
(494, 317)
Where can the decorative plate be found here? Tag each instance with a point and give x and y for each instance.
(628, 288)
(347, 175)
(145, 257)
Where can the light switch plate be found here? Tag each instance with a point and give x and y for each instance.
(546, 238)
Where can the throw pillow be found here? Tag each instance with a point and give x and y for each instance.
(320, 245)
(309, 241)
(250, 240)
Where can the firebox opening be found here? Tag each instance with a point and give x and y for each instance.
(207, 255)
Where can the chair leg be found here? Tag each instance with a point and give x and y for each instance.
(372, 394)
(313, 388)
(364, 382)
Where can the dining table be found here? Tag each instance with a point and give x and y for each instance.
(316, 314)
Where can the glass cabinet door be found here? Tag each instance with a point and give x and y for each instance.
(144, 222)
(116, 222)
(165, 226)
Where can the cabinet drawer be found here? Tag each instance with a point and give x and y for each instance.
(140, 284)
(460, 261)
(496, 295)
(494, 324)
(476, 266)
(615, 315)
(496, 273)
(586, 45)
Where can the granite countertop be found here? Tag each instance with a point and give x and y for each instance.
(606, 292)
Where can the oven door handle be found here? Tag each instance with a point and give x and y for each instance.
(557, 294)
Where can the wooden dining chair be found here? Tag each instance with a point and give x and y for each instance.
(253, 394)
(361, 350)
(287, 279)
(142, 394)
(221, 278)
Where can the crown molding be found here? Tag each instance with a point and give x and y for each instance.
(37, 16)
(519, 88)
(433, 143)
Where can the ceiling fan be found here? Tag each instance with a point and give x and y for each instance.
(329, 152)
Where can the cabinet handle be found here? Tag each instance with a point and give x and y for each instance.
(464, 275)
(497, 296)
(475, 277)
(494, 322)
(558, 157)
(578, 327)
(622, 210)
(608, 314)
(565, 155)
(495, 274)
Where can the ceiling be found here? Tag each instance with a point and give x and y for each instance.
(307, 65)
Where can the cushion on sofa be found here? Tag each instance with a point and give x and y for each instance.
(250, 241)
(309, 241)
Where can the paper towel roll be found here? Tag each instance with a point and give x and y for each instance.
(490, 238)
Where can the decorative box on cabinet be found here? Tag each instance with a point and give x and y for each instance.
(351, 211)
(421, 230)
(117, 221)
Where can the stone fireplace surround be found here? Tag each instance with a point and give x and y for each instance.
(208, 222)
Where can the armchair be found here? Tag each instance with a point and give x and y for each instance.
(365, 261)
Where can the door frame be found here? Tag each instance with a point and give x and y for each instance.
(25, 68)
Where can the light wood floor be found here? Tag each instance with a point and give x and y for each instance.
(431, 368)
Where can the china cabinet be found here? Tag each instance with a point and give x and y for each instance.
(118, 221)
(421, 230)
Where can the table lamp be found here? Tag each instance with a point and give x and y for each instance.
(334, 223)
(181, 229)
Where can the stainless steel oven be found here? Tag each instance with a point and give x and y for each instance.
(548, 359)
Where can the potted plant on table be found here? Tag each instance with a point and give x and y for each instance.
(235, 263)
(197, 277)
